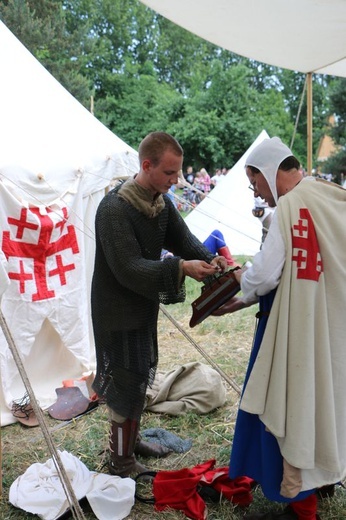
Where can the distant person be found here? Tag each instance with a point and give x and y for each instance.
(190, 175)
(170, 194)
(216, 244)
(204, 181)
(217, 178)
(290, 433)
(134, 222)
(264, 213)
(188, 193)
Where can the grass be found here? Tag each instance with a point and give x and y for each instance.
(227, 340)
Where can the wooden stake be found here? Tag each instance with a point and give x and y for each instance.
(309, 122)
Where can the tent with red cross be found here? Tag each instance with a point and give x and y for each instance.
(56, 161)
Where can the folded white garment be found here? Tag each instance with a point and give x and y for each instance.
(39, 490)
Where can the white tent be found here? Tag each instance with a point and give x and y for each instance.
(307, 36)
(56, 160)
(301, 35)
(228, 208)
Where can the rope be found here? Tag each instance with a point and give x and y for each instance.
(232, 383)
(66, 484)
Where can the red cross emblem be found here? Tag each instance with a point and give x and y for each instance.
(42, 226)
(306, 251)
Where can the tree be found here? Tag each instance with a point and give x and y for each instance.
(337, 163)
(40, 26)
(147, 73)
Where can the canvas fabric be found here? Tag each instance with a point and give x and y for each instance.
(43, 246)
(193, 387)
(4, 279)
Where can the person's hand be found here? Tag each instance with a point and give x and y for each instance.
(220, 262)
(232, 305)
(198, 269)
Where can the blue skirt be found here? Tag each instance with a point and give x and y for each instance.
(255, 452)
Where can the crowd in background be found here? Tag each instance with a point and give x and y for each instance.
(201, 183)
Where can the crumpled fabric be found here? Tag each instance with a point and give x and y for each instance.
(179, 489)
(167, 439)
(193, 387)
(39, 490)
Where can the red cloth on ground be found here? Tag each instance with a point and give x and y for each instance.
(179, 489)
(306, 509)
(236, 490)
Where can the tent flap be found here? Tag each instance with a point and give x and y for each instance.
(301, 35)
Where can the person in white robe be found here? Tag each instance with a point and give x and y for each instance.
(290, 433)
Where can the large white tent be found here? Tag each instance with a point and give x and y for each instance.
(56, 160)
(228, 208)
(301, 35)
(307, 36)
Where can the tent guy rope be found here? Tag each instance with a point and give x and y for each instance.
(232, 383)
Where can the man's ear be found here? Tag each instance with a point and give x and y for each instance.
(146, 164)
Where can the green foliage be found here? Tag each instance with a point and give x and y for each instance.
(147, 73)
(336, 164)
(41, 26)
(338, 106)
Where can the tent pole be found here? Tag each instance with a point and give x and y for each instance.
(309, 122)
(75, 507)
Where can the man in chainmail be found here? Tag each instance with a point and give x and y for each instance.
(134, 222)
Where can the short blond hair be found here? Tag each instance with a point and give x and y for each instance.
(155, 144)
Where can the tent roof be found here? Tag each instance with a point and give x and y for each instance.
(301, 35)
(228, 208)
(47, 137)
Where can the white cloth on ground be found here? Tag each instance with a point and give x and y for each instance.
(39, 490)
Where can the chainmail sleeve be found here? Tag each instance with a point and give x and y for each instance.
(179, 239)
(129, 276)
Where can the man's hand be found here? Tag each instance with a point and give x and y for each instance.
(198, 269)
(220, 262)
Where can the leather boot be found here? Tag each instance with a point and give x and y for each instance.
(150, 449)
(122, 442)
(226, 253)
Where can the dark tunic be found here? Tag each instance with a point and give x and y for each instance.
(129, 282)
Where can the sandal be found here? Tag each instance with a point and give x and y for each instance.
(23, 411)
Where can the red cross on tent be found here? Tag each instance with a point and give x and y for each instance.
(37, 247)
(44, 249)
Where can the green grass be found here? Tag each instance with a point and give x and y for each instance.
(228, 341)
